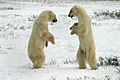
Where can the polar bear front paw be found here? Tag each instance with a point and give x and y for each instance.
(51, 39)
(74, 30)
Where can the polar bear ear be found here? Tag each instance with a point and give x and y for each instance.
(50, 12)
(76, 6)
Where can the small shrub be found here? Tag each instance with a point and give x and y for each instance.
(70, 60)
(107, 77)
(115, 14)
(52, 62)
(118, 69)
(7, 8)
(109, 61)
(32, 18)
(53, 78)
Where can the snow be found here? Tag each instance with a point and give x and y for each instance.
(60, 64)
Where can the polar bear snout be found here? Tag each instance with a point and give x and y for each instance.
(70, 15)
(54, 20)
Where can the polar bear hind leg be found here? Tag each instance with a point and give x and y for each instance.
(37, 59)
(81, 58)
(91, 58)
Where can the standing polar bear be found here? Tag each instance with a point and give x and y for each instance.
(83, 29)
(40, 37)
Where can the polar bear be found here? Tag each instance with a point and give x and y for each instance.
(40, 37)
(83, 29)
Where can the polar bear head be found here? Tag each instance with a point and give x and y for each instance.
(76, 11)
(52, 16)
(47, 15)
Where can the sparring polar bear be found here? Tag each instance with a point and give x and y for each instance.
(40, 37)
(83, 29)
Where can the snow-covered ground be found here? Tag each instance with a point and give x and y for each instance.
(16, 20)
